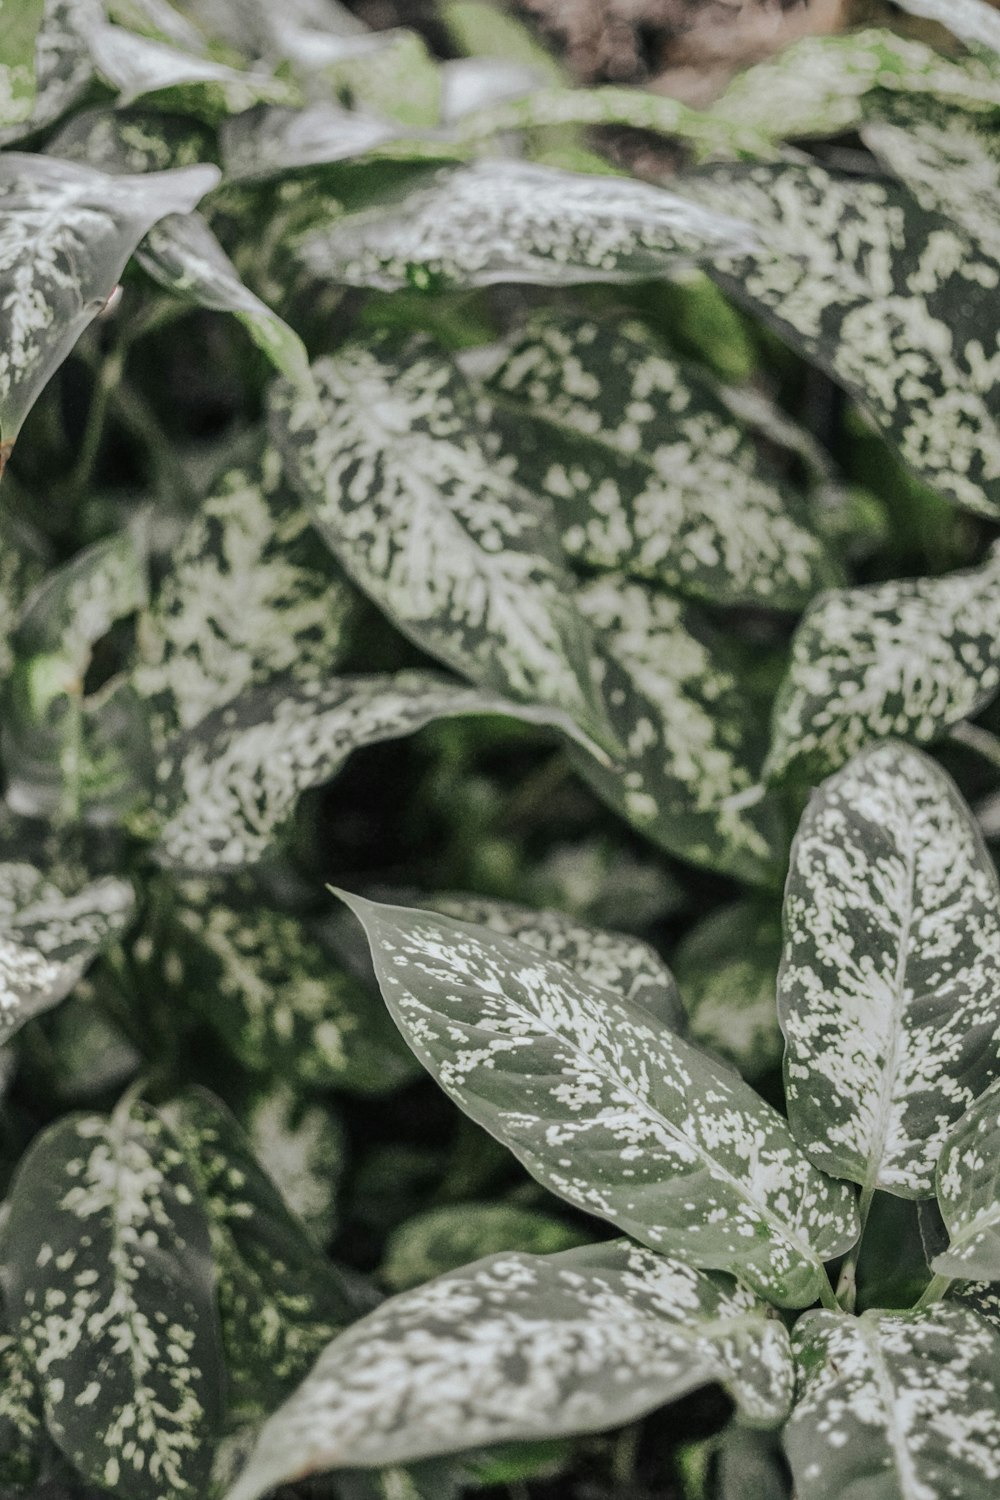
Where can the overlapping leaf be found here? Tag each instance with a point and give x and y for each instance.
(227, 787)
(648, 470)
(894, 302)
(495, 221)
(521, 1346)
(132, 140)
(672, 686)
(974, 21)
(614, 961)
(49, 936)
(142, 67)
(968, 1190)
(301, 1146)
(444, 1239)
(63, 66)
(268, 142)
(20, 21)
(908, 658)
(401, 482)
(727, 970)
(389, 73)
(280, 1299)
(107, 1274)
(888, 991)
(67, 232)
(895, 1406)
(22, 1419)
(607, 1108)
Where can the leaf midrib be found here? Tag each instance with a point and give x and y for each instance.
(910, 1485)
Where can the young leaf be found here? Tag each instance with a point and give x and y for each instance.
(607, 1108)
(251, 595)
(443, 1239)
(20, 21)
(895, 1406)
(48, 937)
(280, 1299)
(888, 988)
(973, 21)
(496, 221)
(727, 971)
(893, 302)
(612, 961)
(107, 1272)
(648, 470)
(672, 685)
(227, 786)
(67, 234)
(402, 484)
(521, 1346)
(968, 1191)
(907, 658)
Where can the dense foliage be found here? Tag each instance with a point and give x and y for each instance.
(579, 546)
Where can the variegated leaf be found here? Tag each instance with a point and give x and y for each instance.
(20, 22)
(269, 142)
(280, 1299)
(983, 1297)
(22, 566)
(974, 21)
(521, 1346)
(613, 961)
(606, 1108)
(142, 67)
(49, 936)
(889, 990)
(727, 971)
(648, 470)
(227, 786)
(444, 1239)
(895, 303)
(251, 595)
(22, 1418)
(389, 73)
(826, 85)
(132, 141)
(672, 685)
(401, 481)
(502, 221)
(67, 232)
(107, 1272)
(968, 1192)
(908, 658)
(63, 66)
(159, 19)
(301, 1146)
(895, 1406)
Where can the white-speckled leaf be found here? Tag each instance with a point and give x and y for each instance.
(49, 936)
(614, 961)
(132, 141)
(894, 302)
(401, 480)
(974, 21)
(648, 470)
(889, 990)
(447, 1238)
(252, 594)
(908, 659)
(20, 22)
(227, 787)
(895, 1406)
(692, 737)
(521, 1346)
(982, 1296)
(497, 221)
(108, 1279)
(968, 1192)
(63, 66)
(22, 1418)
(183, 255)
(280, 1299)
(142, 67)
(300, 1143)
(607, 1108)
(269, 142)
(66, 233)
(727, 971)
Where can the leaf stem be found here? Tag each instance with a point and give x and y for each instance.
(847, 1283)
(827, 1296)
(934, 1291)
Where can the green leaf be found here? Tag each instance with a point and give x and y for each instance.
(280, 1299)
(519, 1347)
(22, 1419)
(108, 1278)
(48, 937)
(973, 21)
(648, 470)
(141, 67)
(614, 961)
(270, 142)
(908, 658)
(401, 481)
(608, 1108)
(500, 221)
(673, 687)
(893, 302)
(22, 557)
(727, 971)
(301, 1146)
(132, 141)
(62, 64)
(443, 1239)
(251, 595)
(888, 988)
(968, 1191)
(68, 232)
(227, 786)
(20, 22)
(390, 73)
(895, 1406)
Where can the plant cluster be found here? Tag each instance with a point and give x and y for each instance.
(595, 574)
